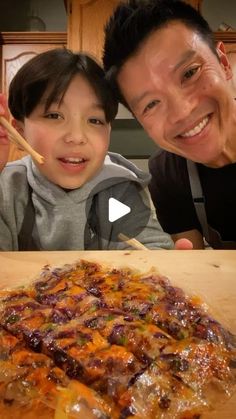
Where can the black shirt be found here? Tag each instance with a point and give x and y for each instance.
(171, 194)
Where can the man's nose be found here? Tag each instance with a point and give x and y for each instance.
(180, 106)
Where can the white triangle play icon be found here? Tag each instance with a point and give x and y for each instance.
(117, 209)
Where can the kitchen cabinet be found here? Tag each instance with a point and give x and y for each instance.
(228, 37)
(86, 20)
(16, 49)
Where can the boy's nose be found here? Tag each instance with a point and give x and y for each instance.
(75, 138)
(75, 134)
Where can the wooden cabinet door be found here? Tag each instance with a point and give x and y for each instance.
(15, 54)
(86, 20)
(13, 57)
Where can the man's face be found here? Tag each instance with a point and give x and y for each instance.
(232, 61)
(179, 91)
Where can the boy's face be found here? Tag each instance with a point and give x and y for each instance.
(73, 136)
(179, 92)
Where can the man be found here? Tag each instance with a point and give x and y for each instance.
(160, 57)
(232, 59)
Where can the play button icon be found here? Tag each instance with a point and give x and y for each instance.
(117, 209)
(115, 206)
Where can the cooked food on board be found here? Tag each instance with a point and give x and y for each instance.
(86, 340)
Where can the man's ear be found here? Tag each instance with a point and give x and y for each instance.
(224, 61)
(19, 126)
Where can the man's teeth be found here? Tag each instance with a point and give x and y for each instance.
(196, 130)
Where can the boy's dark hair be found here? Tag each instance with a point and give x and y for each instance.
(134, 20)
(54, 70)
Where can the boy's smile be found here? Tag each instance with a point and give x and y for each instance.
(75, 163)
(73, 136)
(178, 90)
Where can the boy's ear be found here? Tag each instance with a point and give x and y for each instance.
(19, 126)
(224, 61)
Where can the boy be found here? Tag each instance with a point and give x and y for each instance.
(61, 104)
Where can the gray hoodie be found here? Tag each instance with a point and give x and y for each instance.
(36, 214)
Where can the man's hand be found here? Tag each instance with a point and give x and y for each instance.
(187, 240)
(4, 142)
(183, 244)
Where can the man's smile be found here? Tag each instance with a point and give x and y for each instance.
(197, 128)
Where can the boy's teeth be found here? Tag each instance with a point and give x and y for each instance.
(73, 160)
(196, 130)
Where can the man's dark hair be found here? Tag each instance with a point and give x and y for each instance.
(53, 70)
(134, 20)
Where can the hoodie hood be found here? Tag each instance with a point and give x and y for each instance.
(116, 169)
(61, 216)
(76, 219)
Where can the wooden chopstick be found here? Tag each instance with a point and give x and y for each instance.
(132, 242)
(11, 138)
(19, 140)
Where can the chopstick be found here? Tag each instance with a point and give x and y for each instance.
(18, 140)
(132, 242)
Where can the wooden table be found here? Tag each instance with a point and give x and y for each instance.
(210, 274)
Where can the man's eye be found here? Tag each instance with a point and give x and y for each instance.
(96, 121)
(191, 72)
(151, 105)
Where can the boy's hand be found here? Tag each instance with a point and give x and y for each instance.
(4, 142)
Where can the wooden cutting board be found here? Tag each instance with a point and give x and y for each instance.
(211, 274)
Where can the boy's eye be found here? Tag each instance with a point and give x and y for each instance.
(151, 105)
(53, 115)
(191, 72)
